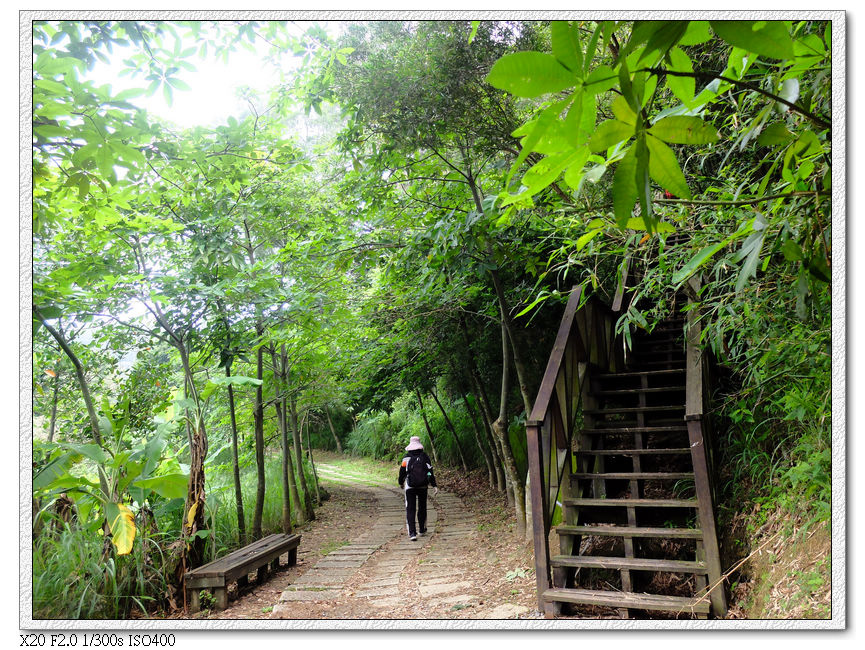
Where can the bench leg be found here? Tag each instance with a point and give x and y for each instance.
(194, 601)
(274, 565)
(292, 556)
(262, 574)
(221, 596)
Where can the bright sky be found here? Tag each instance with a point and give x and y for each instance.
(212, 98)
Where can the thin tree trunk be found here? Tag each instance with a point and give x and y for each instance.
(332, 430)
(279, 393)
(304, 421)
(85, 393)
(500, 427)
(453, 432)
(287, 463)
(488, 461)
(235, 462)
(485, 408)
(258, 426)
(52, 423)
(426, 424)
(298, 453)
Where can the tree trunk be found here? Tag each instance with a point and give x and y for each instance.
(287, 463)
(491, 472)
(52, 423)
(332, 430)
(305, 422)
(428, 429)
(453, 432)
(235, 462)
(279, 393)
(85, 393)
(307, 497)
(258, 418)
(500, 427)
(485, 408)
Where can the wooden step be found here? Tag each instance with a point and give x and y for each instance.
(630, 563)
(633, 409)
(632, 503)
(633, 452)
(639, 373)
(628, 600)
(634, 476)
(657, 429)
(631, 531)
(637, 391)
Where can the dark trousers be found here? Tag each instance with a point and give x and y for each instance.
(415, 501)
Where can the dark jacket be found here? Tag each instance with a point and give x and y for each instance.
(403, 466)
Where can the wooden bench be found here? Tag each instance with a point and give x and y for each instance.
(237, 565)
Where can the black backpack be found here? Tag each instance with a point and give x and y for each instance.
(416, 472)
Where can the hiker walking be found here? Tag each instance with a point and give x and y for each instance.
(415, 476)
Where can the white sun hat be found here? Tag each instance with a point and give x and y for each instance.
(414, 443)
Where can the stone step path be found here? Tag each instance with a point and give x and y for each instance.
(382, 574)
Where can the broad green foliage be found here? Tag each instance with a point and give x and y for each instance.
(366, 229)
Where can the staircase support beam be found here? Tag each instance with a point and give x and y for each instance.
(539, 532)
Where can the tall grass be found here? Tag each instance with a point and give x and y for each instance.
(222, 509)
(71, 580)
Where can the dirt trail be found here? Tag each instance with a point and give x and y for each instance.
(356, 562)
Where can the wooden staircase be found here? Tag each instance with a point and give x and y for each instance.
(636, 535)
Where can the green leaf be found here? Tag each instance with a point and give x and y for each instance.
(664, 168)
(609, 133)
(169, 486)
(637, 223)
(697, 261)
(683, 129)
(547, 170)
(753, 245)
(681, 87)
(623, 111)
(530, 74)
(624, 189)
(55, 470)
(764, 37)
(792, 251)
(566, 45)
(600, 80)
(585, 239)
(178, 83)
(644, 187)
(697, 32)
(121, 522)
(775, 134)
(474, 32)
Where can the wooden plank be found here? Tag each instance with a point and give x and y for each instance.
(637, 503)
(659, 425)
(634, 409)
(548, 383)
(248, 558)
(638, 373)
(630, 600)
(631, 531)
(539, 532)
(631, 452)
(632, 563)
(706, 514)
(634, 476)
(638, 391)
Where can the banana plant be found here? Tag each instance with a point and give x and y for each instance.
(130, 472)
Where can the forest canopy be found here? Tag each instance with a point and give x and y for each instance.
(382, 245)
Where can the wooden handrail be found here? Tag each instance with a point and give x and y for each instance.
(554, 364)
(694, 407)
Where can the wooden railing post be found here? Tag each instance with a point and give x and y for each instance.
(539, 526)
(703, 480)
